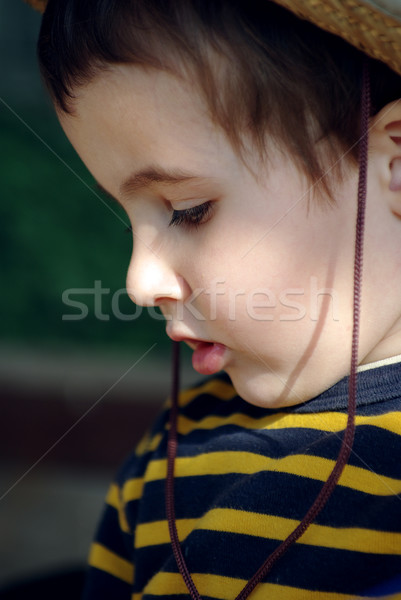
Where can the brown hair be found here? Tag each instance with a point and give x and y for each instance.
(261, 70)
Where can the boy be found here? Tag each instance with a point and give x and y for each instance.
(230, 133)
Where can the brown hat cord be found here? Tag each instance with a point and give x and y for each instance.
(346, 445)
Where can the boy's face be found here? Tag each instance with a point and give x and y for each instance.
(254, 273)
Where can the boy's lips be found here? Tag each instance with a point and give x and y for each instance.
(208, 357)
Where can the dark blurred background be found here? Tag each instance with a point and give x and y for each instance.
(76, 394)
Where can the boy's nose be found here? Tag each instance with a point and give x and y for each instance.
(151, 280)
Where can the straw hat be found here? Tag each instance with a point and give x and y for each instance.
(373, 26)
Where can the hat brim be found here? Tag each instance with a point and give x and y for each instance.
(372, 26)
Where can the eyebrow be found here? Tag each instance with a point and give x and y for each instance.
(148, 177)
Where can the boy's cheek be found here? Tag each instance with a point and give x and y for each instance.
(271, 315)
(248, 307)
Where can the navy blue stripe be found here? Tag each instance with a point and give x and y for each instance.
(197, 495)
(371, 444)
(263, 493)
(102, 586)
(385, 588)
(275, 443)
(210, 405)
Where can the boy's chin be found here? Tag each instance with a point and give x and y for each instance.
(264, 390)
(270, 390)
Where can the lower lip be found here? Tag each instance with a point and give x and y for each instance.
(208, 358)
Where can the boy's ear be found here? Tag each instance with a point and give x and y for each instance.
(386, 145)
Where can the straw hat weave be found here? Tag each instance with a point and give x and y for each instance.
(373, 26)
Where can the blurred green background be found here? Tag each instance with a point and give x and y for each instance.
(57, 231)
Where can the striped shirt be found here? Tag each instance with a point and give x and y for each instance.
(245, 477)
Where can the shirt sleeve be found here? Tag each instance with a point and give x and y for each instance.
(111, 569)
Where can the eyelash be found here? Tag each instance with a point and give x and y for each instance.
(192, 217)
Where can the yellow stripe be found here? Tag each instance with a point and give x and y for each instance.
(272, 527)
(221, 463)
(149, 444)
(369, 482)
(331, 422)
(105, 560)
(218, 463)
(227, 587)
(114, 500)
(389, 421)
(142, 446)
(155, 533)
(133, 488)
(113, 496)
(154, 442)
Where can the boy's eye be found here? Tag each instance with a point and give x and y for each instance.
(192, 217)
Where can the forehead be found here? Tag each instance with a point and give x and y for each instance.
(142, 91)
(129, 117)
